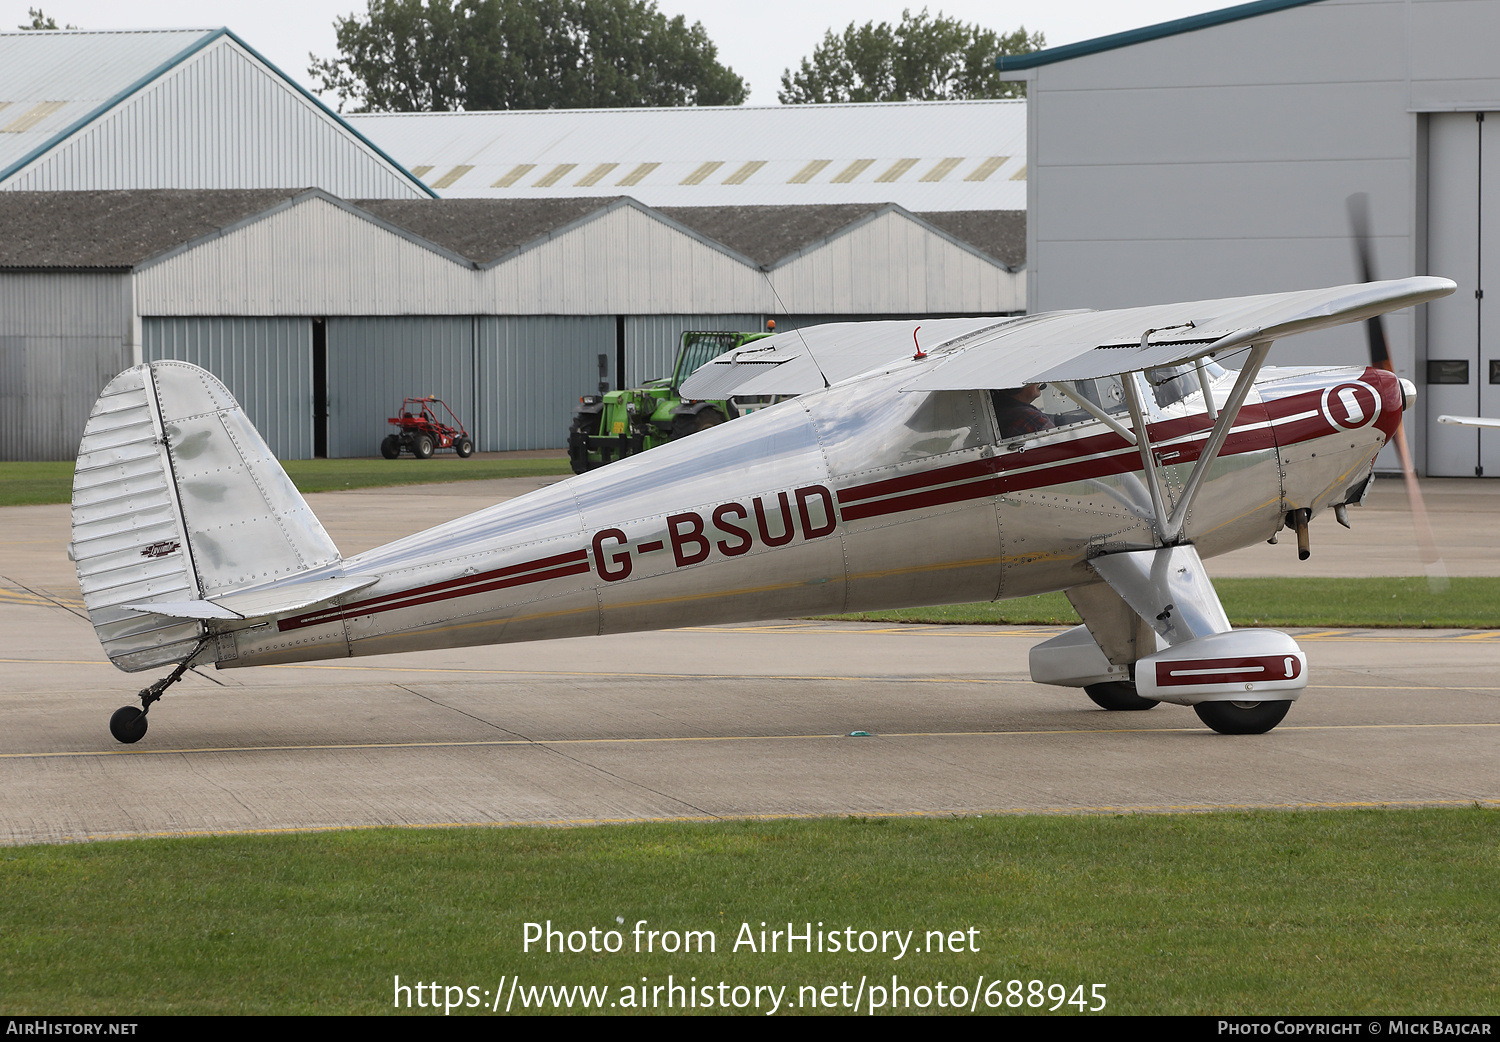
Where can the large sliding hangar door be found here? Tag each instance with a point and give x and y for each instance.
(513, 380)
(373, 363)
(1463, 343)
(265, 362)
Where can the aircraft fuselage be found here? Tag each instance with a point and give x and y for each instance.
(857, 497)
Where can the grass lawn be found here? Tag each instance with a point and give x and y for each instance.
(28, 483)
(1361, 911)
(1468, 603)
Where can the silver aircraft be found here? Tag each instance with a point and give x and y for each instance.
(1103, 454)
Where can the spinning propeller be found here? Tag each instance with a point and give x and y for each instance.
(1380, 358)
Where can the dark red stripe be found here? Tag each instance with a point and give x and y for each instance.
(574, 562)
(942, 475)
(477, 577)
(1062, 452)
(1122, 463)
(1249, 670)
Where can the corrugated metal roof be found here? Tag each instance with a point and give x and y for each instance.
(925, 156)
(482, 230)
(51, 80)
(117, 230)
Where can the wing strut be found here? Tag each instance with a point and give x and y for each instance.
(1096, 412)
(1148, 457)
(1227, 416)
(1169, 528)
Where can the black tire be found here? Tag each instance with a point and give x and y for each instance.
(422, 447)
(128, 725)
(1242, 717)
(1118, 695)
(682, 426)
(390, 446)
(464, 447)
(584, 425)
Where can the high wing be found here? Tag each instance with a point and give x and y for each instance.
(1070, 345)
(804, 360)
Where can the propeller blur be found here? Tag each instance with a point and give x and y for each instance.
(1103, 454)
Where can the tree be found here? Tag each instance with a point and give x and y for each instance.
(922, 59)
(445, 55)
(42, 21)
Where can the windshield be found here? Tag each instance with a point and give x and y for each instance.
(1171, 384)
(701, 348)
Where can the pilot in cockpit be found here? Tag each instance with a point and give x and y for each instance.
(1014, 413)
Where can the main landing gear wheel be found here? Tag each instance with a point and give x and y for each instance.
(128, 725)
(1242, 717)
(682, 426)
(1118, 695)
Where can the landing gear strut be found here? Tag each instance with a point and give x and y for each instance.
(128, 724)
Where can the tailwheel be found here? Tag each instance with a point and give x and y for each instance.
(1242, 717)
(1118, 695)
(128, 725)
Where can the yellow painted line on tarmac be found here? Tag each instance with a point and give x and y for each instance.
(1081, 811)
(885, 678)
(56, 662)
(547, 742)
(613, 674)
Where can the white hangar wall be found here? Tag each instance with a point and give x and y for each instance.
(320, 256)
(893, 265)
(1218, 161)
(217, 116)
(624, 260)
(312, 256)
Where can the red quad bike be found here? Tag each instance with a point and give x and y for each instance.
(422, 432)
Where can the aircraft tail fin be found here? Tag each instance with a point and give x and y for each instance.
(177, 500)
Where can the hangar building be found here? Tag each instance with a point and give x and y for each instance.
(1238, 137)
(173, 195)
(186, 108)
(321, 314)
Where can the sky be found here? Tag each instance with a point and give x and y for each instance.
(758, 40)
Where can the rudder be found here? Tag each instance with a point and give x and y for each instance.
(176, 497)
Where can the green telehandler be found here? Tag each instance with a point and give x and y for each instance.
(622, 423)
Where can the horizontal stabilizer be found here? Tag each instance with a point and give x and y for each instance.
(258, 603)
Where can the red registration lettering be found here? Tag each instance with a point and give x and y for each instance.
(804, 496)
(723, 525)
(620, 560)
(789, 526)
(682, 537)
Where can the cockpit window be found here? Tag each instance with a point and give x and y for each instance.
(1171, 384)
